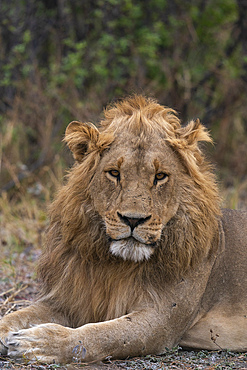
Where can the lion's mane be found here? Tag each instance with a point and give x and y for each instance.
(77, 270)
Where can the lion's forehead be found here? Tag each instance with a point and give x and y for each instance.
(152, 156)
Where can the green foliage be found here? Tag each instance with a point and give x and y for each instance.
(18, 59)
(66, 61)
(111, 45)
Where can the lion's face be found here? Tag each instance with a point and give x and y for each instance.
(135, 192)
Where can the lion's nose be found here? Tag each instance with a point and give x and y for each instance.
(132, 222)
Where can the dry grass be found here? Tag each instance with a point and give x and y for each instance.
(235, 195)
(21, 233)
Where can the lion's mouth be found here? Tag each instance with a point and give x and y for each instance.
(131, 240)
(131, 249)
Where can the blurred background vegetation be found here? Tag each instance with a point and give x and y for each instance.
(62, 60)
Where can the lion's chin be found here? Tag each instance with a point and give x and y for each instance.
(131, 250)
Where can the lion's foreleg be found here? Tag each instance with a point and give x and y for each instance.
(138, 333)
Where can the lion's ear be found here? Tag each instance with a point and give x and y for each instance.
(194, 132)
(191, 134)
(185, 143)
(84, 138)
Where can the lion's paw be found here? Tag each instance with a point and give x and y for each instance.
(44, 343)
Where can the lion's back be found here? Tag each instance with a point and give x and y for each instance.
(235, 230)
(228, 280)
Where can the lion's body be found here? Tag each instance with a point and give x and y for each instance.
(138, 255)
(223, 308)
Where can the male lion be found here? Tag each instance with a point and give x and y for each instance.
(138, 255)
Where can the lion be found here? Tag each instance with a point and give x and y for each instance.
(139, 257)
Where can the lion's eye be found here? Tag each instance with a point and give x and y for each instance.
(160, 176)
(114, 173)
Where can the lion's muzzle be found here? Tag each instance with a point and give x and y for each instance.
(133, 236)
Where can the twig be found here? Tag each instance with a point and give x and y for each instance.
(9, 299)
(10, 309)
(8, 291)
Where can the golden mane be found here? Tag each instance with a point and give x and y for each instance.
(139, 115)
(76, 241)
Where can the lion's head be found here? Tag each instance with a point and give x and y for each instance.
(144, 183)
